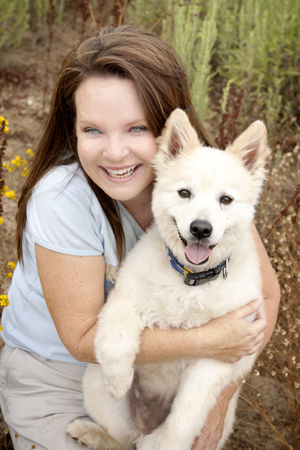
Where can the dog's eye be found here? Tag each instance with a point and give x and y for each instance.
(184, 193)
(226, 200)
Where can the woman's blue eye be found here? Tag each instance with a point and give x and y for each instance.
(138, 129)
(91, 130)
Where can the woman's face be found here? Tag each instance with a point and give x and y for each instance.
(115, 143)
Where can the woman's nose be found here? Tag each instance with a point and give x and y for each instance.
(115, 149)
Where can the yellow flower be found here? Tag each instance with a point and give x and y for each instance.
(30, 152)
(6, 129)
(25, 172)
(10, 194)
(4, 301)
(17, 161)
(9, 275)
(4, 189)
(5, 164)
(1, 220)
(12, 265)
(1, 328)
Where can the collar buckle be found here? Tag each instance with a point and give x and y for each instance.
(225, 269)
(199, 278)
(198, 281)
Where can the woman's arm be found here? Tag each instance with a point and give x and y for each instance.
(213, 429)
(73, 287)
(271, 289)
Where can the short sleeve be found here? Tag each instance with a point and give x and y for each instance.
(64, 215)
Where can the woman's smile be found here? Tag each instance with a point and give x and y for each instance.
(122, 173)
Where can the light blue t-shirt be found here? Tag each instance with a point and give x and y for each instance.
(63, 215)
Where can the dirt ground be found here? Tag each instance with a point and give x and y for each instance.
(21, 101)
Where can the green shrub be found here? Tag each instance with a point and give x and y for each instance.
(258, 48)
(43, 7)
(15, 16)
(13, 21)
(253, 43)
(193, 38)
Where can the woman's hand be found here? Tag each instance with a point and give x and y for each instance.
(230, 337)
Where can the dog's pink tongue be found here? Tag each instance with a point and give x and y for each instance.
(196, 253)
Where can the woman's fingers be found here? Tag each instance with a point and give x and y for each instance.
(254, 349)
(249, 309)
(259, 338)
(258, 325)
(259, 314)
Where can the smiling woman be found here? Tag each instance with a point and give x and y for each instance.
(84, 205)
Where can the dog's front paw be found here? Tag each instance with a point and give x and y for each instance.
(90, 434)
(117, 382)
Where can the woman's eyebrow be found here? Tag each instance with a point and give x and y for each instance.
(82, 119)
(136, 121)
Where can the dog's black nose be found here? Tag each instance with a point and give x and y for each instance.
(201, 229)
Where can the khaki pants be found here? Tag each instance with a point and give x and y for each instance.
(39, 398)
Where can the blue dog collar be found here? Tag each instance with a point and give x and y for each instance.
(197, 278)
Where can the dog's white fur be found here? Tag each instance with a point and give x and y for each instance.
(149, 292)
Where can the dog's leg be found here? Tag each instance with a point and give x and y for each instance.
(117, 341)
(150, 441)
(194, 401)
(113, 415)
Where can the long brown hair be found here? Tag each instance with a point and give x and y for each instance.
(123, 51)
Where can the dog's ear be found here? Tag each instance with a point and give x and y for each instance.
(178, 135)
(251, 147)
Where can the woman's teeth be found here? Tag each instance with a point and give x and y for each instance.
(121, 173)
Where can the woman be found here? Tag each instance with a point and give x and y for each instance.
(84, 205)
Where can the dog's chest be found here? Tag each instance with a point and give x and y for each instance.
(181, 306)
(168, 302)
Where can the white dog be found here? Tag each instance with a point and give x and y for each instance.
(197, 262)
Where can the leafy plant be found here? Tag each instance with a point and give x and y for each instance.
(15, 16)
(258, 49)
(13, 21)
(194, 33)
